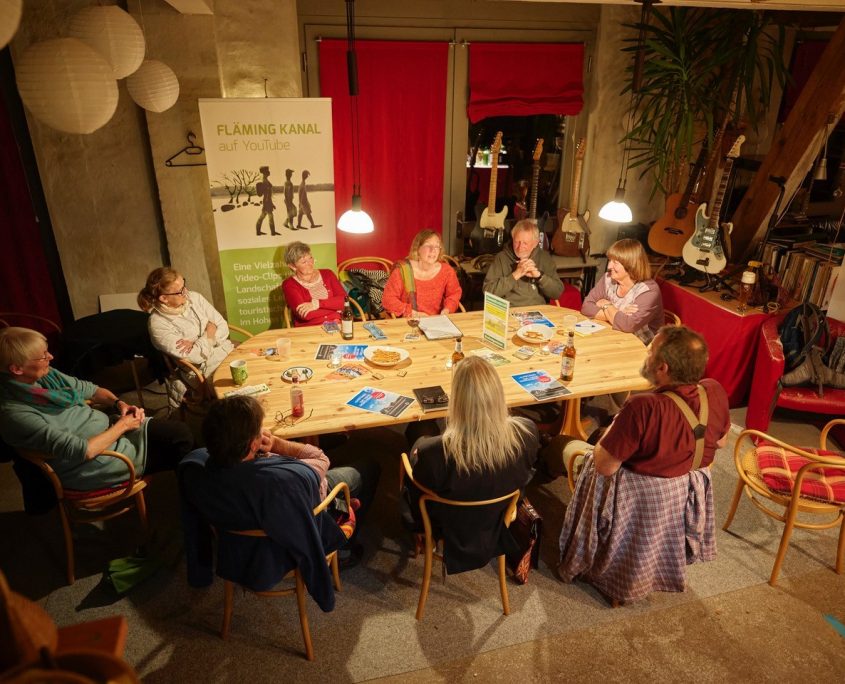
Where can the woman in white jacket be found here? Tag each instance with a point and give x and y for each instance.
(184, 325)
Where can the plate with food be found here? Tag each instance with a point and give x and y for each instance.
(535, 333)
(385, 356)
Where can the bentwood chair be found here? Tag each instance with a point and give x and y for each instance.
(796, 479)
(670, 318)
(298, 589)
(430, 543)
(77, 506)
(10, 318)
(199, 391)
(287, 314)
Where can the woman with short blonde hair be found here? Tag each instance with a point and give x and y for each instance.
(626, 296)
(313, 295)
(423, 284)
(484, 453)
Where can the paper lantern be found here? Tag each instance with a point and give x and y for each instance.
(154, 86)
(10, 17)
(114, 34)
(67, 85)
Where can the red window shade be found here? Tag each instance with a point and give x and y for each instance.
(402, 110)
(523, 79)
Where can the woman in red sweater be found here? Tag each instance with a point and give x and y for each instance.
(423, 284)
(313, 295)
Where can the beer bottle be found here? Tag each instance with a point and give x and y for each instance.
(567, 358)
(346, 322)
(458, 354)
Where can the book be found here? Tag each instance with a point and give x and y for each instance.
(439, 328)
(432, 398)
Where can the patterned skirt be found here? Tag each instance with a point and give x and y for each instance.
(629, 534)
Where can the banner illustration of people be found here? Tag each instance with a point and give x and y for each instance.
(249, 143)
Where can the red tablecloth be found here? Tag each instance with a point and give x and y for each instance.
(731, 337)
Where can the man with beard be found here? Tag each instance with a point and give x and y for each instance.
(643, 504)
(522, 272)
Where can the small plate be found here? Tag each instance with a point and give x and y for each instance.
(305, 373)
(535, 333)
(375, 355)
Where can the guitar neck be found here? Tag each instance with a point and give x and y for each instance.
(535, 180)
(494, 171)
(723, 184)
(694, 174)
(576, 187)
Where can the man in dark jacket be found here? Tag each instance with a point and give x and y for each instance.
(522, 272)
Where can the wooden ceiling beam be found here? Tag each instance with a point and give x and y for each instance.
(794, 147)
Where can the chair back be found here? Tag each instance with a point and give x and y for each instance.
(12, 318)
(670, 318)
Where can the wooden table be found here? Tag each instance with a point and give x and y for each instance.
(607, 361)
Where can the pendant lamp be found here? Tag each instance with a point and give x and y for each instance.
(113, 33)
(10, 19)
(154, 86)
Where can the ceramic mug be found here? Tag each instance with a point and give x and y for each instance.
(239, 371)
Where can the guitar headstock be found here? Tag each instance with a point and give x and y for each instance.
(733, 153)
(538, 150)
(496, 146)
(580, 149)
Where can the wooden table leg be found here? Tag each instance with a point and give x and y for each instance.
(572, 419)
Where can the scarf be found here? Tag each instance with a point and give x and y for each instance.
(162, 308)
(50, 392)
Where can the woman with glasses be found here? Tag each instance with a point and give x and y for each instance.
(45, 411)
(184, 325)
(423, 284)
(483, 453)
(313, 295)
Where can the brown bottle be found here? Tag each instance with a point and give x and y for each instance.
(346, 322)
(458, 354)
(567, 359)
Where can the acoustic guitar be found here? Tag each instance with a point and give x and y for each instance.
(572, 235)
(705, 250)
(490, 219)
(671, 231)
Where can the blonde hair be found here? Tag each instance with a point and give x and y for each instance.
(480, 434)
(632, 256)
(158, 282)
(420, 239)
(17, 345)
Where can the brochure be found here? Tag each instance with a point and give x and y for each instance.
(587, 327)
(439, 328)
(531, 317)
(540, 385)
(491, 356)
(349, 352)
(380, 401)
(432, 398)
(348, 371)
(494, 329)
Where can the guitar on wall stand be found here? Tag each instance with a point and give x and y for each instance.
(493, 222)
(572, 237)
(535, 184)
(705, 250)
(671, 231)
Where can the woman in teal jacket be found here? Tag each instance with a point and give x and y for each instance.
(46, 411)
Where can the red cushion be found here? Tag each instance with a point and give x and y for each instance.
(570, 298)
(79, 494)
(807, 399)
(779, 468)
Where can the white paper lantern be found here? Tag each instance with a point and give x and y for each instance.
(154, 86)
(67, 85)
(114, 34)
(10, 17)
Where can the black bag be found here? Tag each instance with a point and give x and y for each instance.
(803, 328)
(371, 284)
(525, 530)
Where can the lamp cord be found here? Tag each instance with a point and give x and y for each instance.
(354, 114)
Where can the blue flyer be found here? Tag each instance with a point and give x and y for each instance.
(540, 385)
(348, 352)
(531, 317)
(380, 401)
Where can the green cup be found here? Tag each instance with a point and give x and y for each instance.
(239, 371)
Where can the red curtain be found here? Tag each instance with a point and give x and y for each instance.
(402, 110)
(26, 286)
(523, 79)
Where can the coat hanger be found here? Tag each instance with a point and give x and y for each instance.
(189, 149)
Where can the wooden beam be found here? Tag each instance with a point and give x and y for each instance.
(794, 147)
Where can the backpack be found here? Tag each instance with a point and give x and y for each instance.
(803, 328)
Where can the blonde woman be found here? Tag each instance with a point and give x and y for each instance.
(423, 284)
(626, 296)
(183, 325)
(482, 454)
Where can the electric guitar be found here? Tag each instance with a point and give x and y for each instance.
(535, 179)
(490, 219)
(704, 251)
(671, 231)
(571, 238)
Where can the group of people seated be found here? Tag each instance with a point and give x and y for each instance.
(651, 449)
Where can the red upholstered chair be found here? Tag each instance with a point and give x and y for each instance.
(570, 298)
(768, 369)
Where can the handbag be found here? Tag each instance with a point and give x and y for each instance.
(525, 530)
